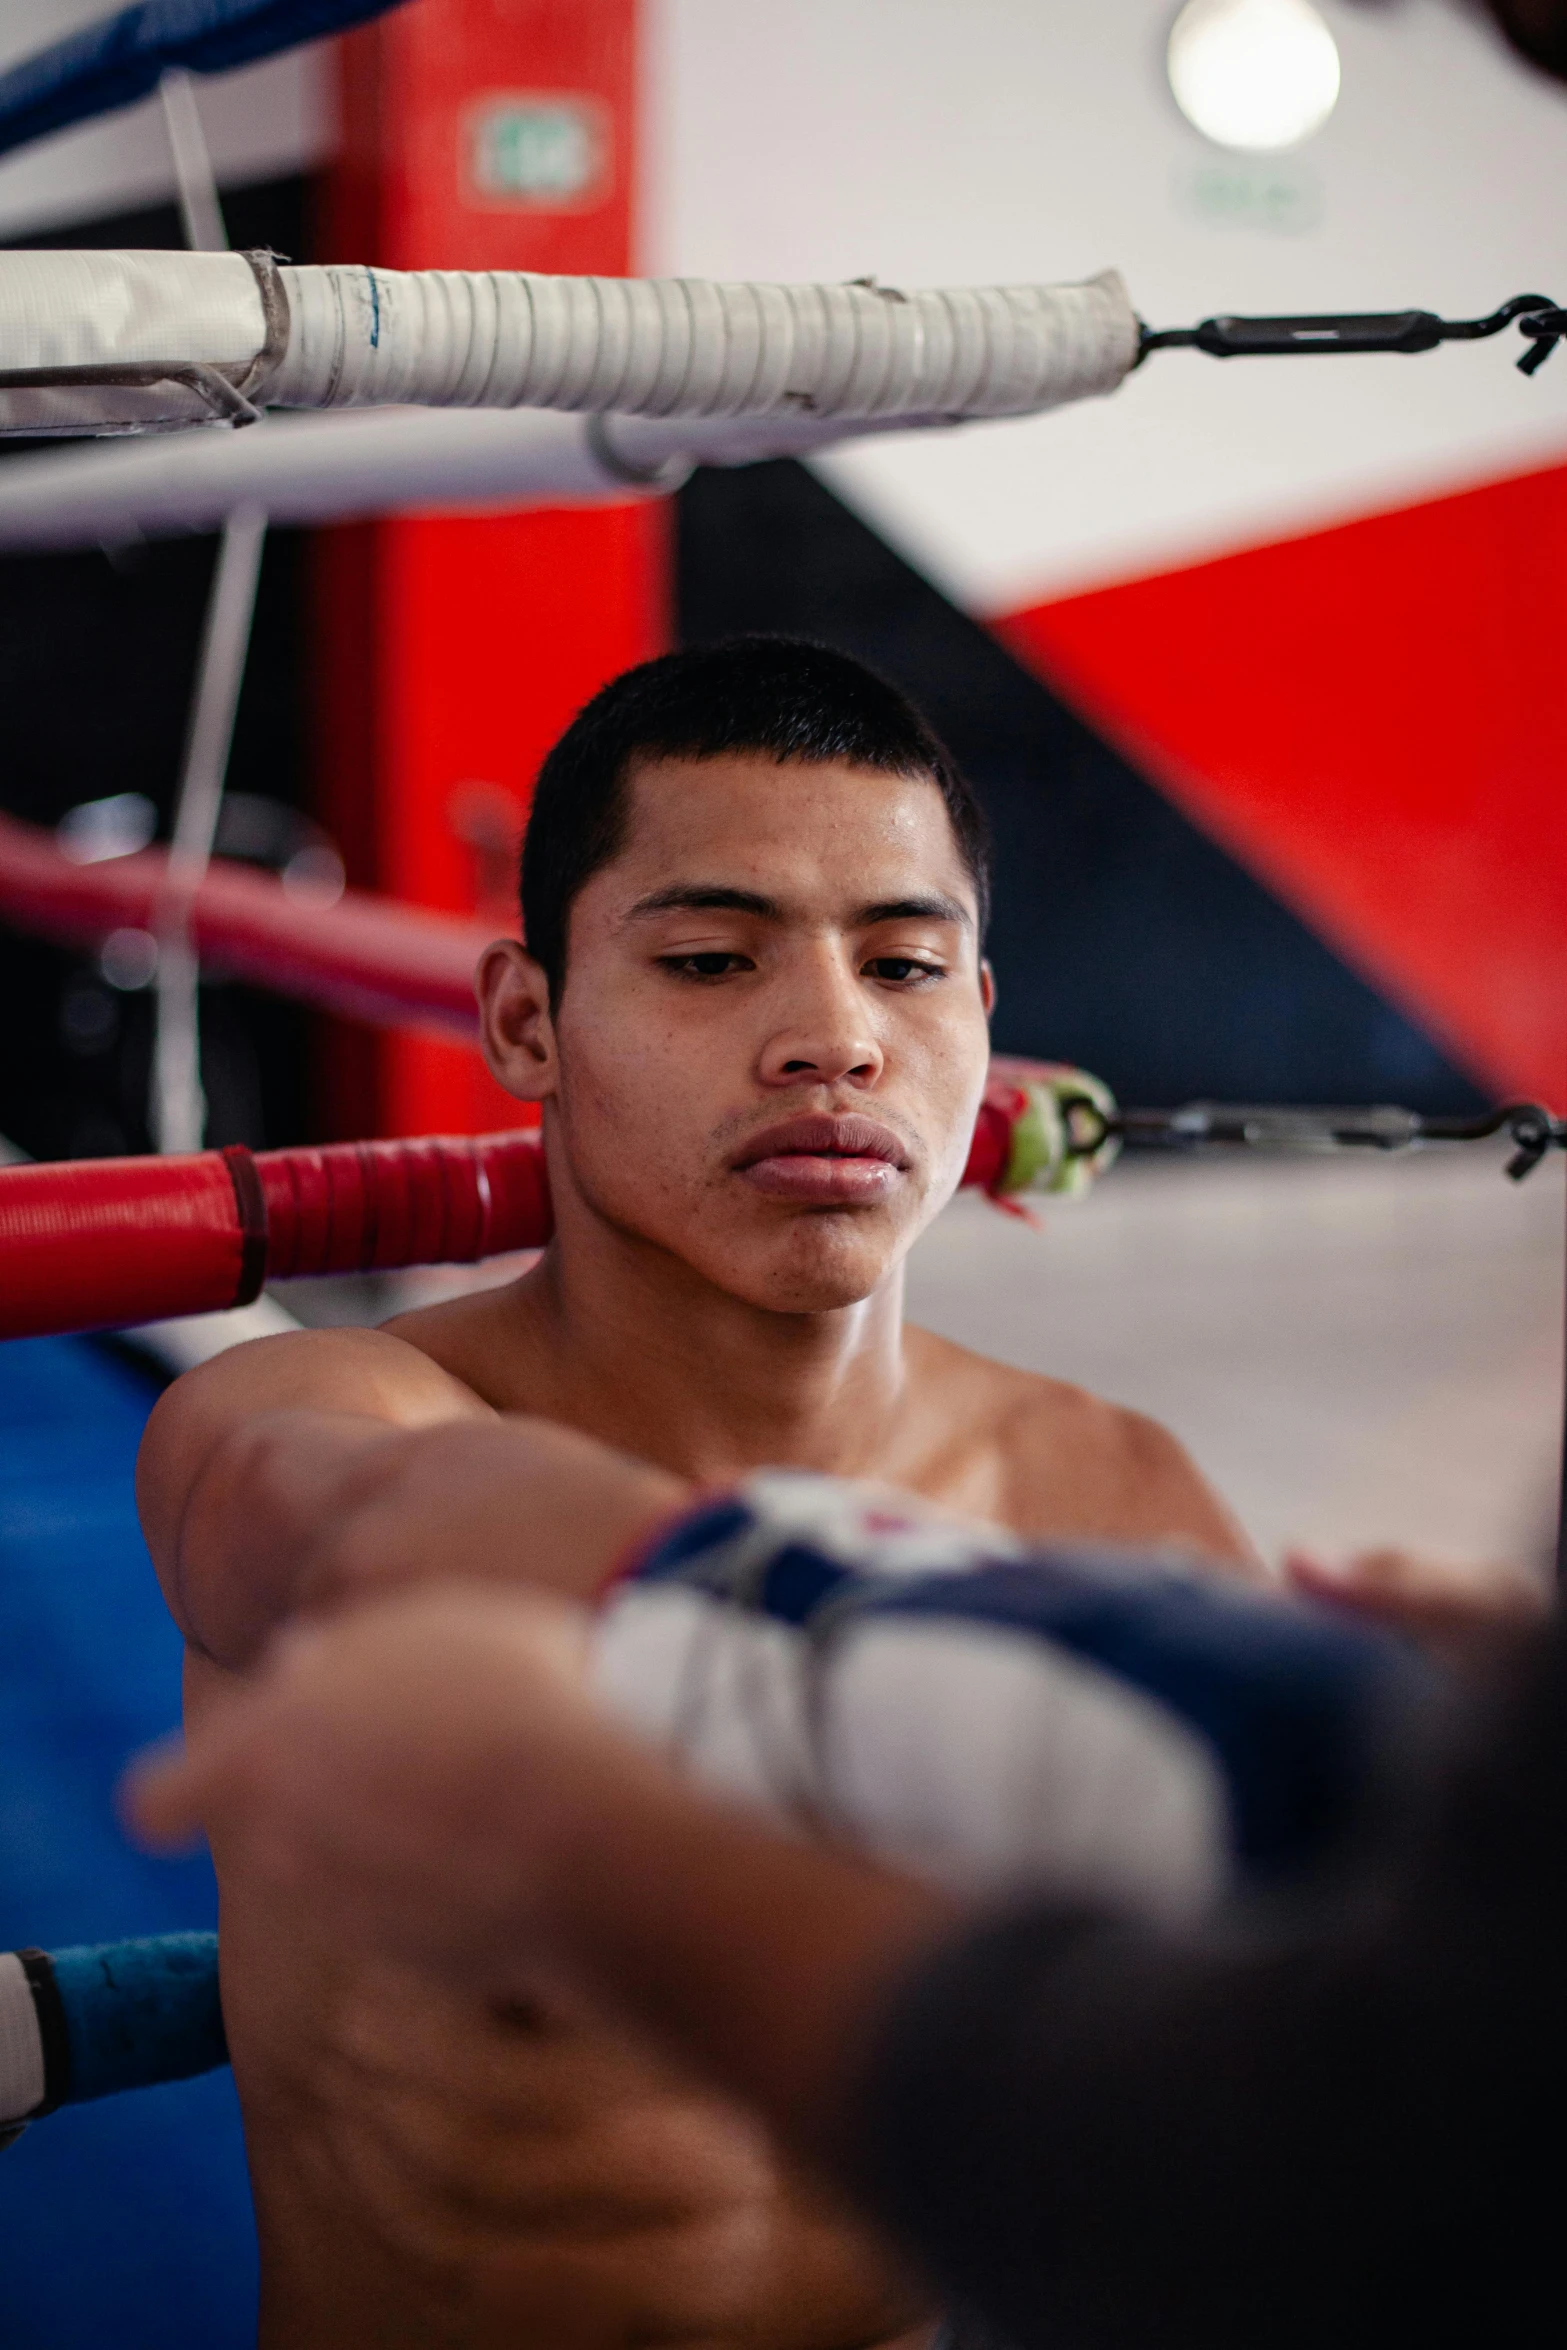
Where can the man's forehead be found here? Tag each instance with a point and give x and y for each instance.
(735, 816)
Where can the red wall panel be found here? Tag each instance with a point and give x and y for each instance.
(1370, 719)
(454, 650)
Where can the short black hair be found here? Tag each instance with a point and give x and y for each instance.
(772, 694)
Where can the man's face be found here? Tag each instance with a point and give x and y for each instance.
(771, 1043)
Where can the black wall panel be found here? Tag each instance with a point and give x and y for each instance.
(1123, 938)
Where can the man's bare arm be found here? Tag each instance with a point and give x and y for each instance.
(431, 1774)
(296, 1473)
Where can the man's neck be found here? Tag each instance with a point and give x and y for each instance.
(636, 1348)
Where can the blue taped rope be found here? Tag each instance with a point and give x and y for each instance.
(137, 2013)
(122, 58)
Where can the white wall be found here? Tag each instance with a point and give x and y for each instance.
(931, 140)
(261, 123)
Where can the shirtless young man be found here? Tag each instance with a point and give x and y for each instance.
(754, 1012)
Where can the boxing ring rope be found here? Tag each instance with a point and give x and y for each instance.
(315, 469)
(347, 467)
(103, 342)
(365, 957)
(113, 342)
(123, 58)
(88, 2022)
(93, 1244)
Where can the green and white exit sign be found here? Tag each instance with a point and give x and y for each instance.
(548, 150)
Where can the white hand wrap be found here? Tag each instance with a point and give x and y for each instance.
(1118, 1726)
(982, 1758)
(22, 2073)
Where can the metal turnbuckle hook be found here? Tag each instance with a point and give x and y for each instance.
(1318, 335)
(1283, 1127)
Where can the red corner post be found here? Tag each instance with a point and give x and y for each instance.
(450, 651)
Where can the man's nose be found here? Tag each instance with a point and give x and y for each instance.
(824, 1036)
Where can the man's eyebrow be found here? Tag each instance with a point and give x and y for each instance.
(695, 897)
(931, 909)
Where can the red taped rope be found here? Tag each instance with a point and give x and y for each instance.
(366, 957)
(100, 1244)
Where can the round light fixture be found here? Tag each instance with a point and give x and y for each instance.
(1255, 74)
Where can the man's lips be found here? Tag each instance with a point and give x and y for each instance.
(824, 1161)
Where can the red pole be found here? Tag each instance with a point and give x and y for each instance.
(453, 650)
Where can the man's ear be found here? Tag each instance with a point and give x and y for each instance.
(987, 985)
(515, 1027)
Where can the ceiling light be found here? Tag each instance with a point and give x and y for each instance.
(1253, 74)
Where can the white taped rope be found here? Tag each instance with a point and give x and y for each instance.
(300, 470)
(681, 347)
(349, 465)
(126, 342)
(23, 2079)
(70, 310)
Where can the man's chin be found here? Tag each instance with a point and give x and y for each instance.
(799, 1262)
(819, 1265)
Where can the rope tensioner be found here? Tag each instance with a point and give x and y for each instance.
(1530, 1127)
(1409, 331)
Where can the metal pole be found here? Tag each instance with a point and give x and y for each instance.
(200, 208)
(179, 1110)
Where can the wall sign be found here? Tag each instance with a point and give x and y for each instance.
(550, 151)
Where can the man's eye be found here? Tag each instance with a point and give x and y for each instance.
(903, 970)
(716, 965)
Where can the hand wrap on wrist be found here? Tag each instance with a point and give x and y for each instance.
(1125, 1727)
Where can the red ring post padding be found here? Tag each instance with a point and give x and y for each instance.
(104, 1244)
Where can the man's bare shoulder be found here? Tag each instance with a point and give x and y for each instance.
(1063, 1461)
(364, 1373)
(489, 1340)
(372, 1372)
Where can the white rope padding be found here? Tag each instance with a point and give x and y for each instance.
(64, 316)
(70, 310)
(346, 465)
(298, 470)
(685, 347)
(84, 335)
(22, 2075)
